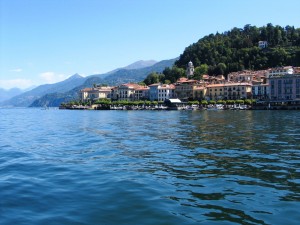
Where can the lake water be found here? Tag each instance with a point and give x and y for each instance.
(149, 167)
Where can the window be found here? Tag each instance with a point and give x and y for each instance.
(279, 86)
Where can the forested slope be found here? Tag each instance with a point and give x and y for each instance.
(238, 49)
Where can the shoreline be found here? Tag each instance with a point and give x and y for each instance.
(185, 107)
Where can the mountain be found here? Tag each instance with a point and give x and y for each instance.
(25, 99)
(140, 64)
(55, 99)
(7, 94)
(54, 94)
(118, 77)
(136, 65)
(122, 76)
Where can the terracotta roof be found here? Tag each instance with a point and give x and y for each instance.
(131, 85)
(102, 89)
(187, 81)
(171, 86)
(182, 79)
(86, 89)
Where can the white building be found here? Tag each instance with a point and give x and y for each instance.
(130, 92)
(279, 71)
(161, 92)
(262, 44)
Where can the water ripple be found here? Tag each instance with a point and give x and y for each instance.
(148, 167)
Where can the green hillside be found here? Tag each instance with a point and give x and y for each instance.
(238, 49)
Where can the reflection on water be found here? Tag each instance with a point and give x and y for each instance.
(103, 167)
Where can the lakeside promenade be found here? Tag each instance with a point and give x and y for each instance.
(293, 105)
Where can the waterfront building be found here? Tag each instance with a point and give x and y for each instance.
(161, 92)
(141, 93)
(125, 92)
(215, 91)
(199, 91)
(184, 88)
(229, 91)
(260, 86)
(95, 93)
(284, 87)
(260, 91)
(153, 92)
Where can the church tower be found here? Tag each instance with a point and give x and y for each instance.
(190, 69)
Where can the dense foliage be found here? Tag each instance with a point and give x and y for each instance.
(238, 49)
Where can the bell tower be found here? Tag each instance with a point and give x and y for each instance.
(190, 69)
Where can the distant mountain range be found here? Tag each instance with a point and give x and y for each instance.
(52, 95)
(7, 94)
(140, 64)
(25, 99)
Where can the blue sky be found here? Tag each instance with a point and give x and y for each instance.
(46, 41)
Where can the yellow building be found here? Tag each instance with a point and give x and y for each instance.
(229, 91)
(199, 91)
(95, 93)
(184, 88)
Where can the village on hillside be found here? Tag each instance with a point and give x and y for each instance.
(274, 87)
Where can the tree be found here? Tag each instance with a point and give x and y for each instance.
(200, 70)
(278, 57)
(220, 69)
(152, 78)
(174, 73)
(237, 49)
(204, 102)
(142, 83)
